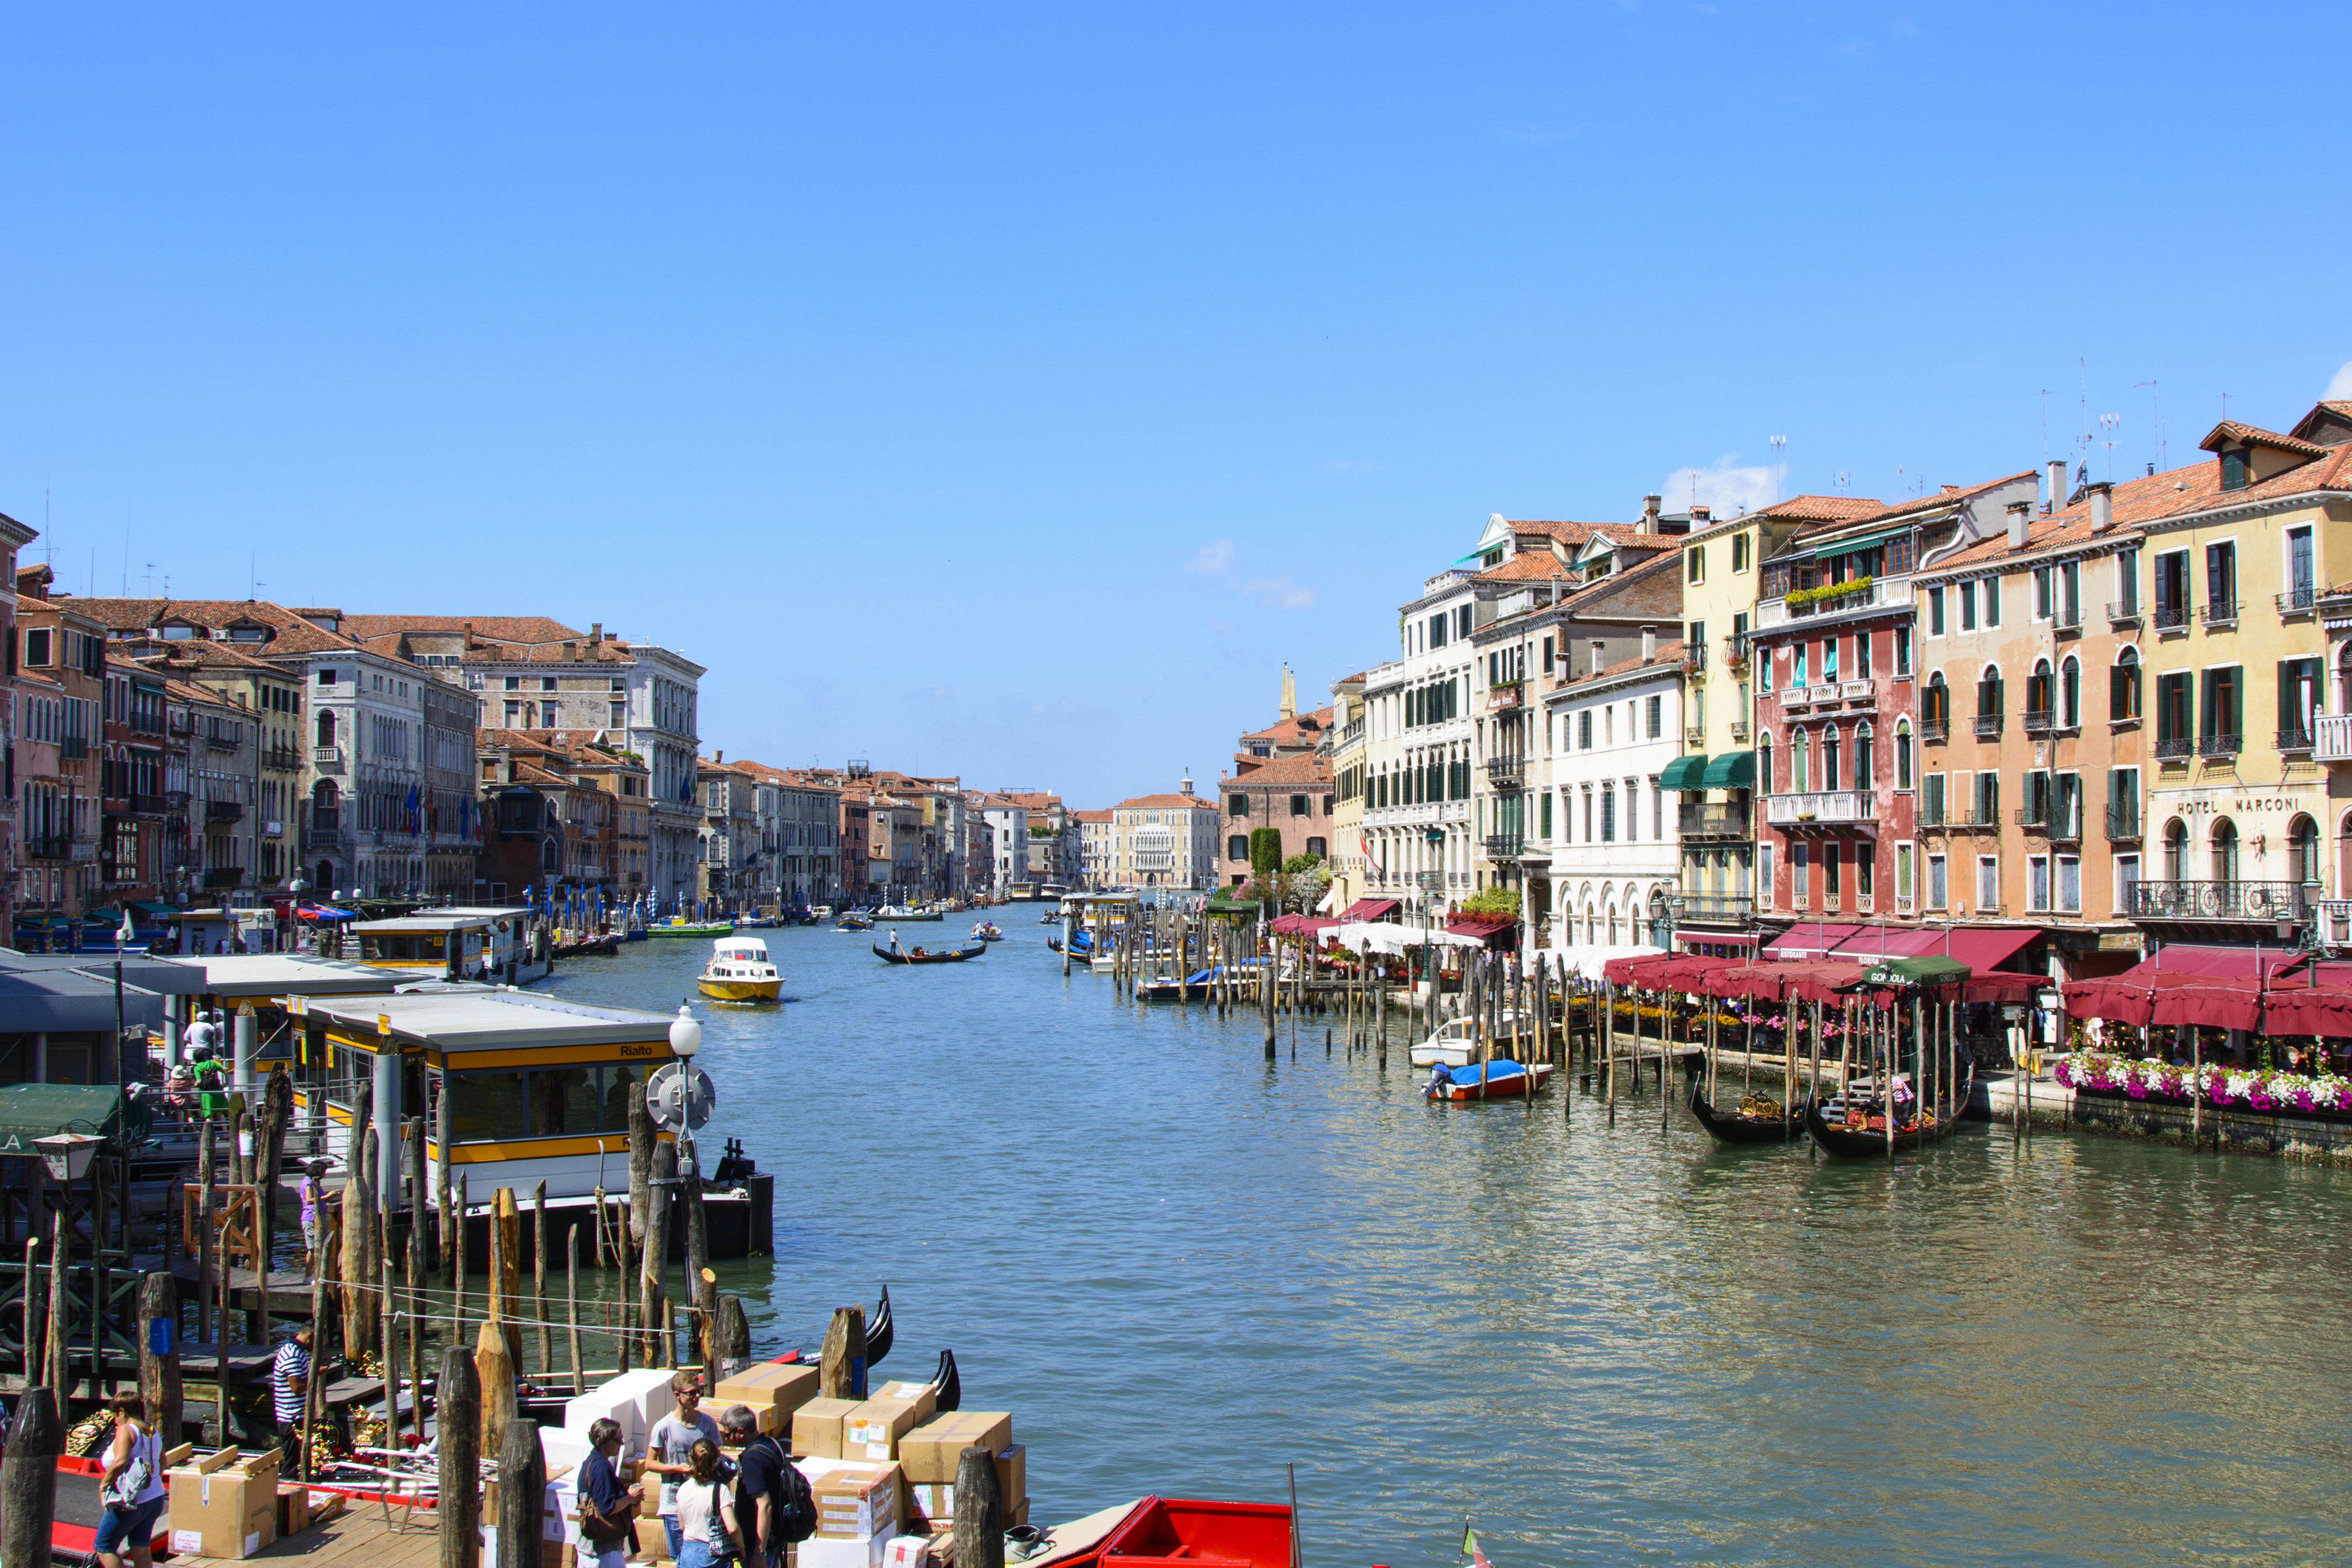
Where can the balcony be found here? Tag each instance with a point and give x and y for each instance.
(2299, 601)
(2123, 612)
(1797, 697)
(2051, 822)
(216, 741)
(1863, 693)
(1694, 657)
(2332, 743)
(2249, 901)
(82, 852)
(1735, 650)
(1740, 729)
(1882, 593)
(1906, 904)
(146, 806)
(2171, 617)
(1934, 731)
(2123, 827)
(1722, 819)
(285, 759)
(2294, 742)
(2039, 721)
(327, 759)
(1506, 698)
(46, 846)
(1717, 908)
(1989, 726)
(2175, 748)
(1504, 772)
(2067, 622)
(2222, 614)
(1812, 808)
(217, 812)
(145, 724)
(1504, 845)
(2219, 745)
(1694, 736)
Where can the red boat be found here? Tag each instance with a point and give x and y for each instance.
(1503, 1080)
(1201, 1534)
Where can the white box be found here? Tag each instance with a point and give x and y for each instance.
(818, 1553)
(634, 1399)
(908, 1551)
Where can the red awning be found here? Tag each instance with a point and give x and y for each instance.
(1300, 925)
(1370, 909)
(1485, 928)
(1811, 940)
(2213, 962)
(1713, 938)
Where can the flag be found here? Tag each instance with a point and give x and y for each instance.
(1470, 1548)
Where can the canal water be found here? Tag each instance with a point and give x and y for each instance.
(1183, 1267)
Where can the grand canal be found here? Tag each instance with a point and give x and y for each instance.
(1182, 1267)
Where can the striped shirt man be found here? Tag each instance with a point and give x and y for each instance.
(289, 1378)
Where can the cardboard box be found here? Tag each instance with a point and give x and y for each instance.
(224, 1505)
(652, 1540)
(785, 1385)
(933, 1450)
(816, 1427)
(921, 1395)
(821, 1552)
(1011, 1475)
(858, 1504)
(908, 1551)
(871, 1430)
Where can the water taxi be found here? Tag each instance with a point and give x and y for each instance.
(678, 925)
(989, 931)
(739, 971)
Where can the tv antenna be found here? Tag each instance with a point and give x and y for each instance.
(2110, 422)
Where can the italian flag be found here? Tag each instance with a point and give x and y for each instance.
(1470, 1549)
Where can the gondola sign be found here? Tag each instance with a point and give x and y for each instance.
(1932, 969)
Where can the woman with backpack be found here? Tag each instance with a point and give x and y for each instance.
(131, 1487)
(705, 1511)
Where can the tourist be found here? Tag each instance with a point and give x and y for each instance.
(311, 1192)
(131, 1488)
(290, 1388)
(606, 1507)
(672, 1440)
(772, 1501)
(704, 1525)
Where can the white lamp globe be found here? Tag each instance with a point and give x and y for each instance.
(684, 1034)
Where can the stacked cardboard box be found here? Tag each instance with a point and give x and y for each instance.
(772, 1391)
(224, 1505)
(816, 1427)
(932, 1451)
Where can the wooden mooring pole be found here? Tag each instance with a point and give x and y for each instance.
(459, 1401)
(29, 1478)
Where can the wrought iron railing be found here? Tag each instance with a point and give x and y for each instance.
(2299, 601)
(2038, 720)
(1934, 731)
(2124, 610)
(2221, 615)
(2123, 827)
(2172, 747)
(2171, 617)
(2220, 745)
(1505, 772)
(1504, 845)
(2294, 739)
(2218, 900)
(1988, 726)
(1718, 906)
(1721, 820)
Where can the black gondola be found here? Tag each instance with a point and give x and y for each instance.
(879, 1332)
(1848, 1144)
(921, 955)
(950, 1386)
(1734, 1126)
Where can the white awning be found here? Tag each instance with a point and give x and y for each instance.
(1382, 936)
(1584, 960)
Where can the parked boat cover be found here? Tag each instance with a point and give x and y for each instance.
(1497, 1070)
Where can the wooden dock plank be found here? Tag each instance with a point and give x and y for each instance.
(359, 1535)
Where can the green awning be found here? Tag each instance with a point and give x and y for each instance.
(1732, 770)
(1932, 969)
(36, 1110)
(1683, 773)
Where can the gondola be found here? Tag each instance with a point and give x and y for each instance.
(1851, 1143)
(880, 1333)
(950, 1386)
(918, 955)
(1734, 1126)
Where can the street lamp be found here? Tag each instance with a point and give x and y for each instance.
(67, 1154)
(684, 1034)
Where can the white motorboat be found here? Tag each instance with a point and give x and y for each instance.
(1455, 1043)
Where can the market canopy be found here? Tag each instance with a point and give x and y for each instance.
(30, 1110)
(2214, 963)
(1589, 960)
(1732, 770)
(1811, 939)
(1902, 973)
(1369, 908)
(1683, 773)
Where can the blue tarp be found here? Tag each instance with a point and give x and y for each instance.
(1494, 1070)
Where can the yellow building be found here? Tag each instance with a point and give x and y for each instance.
(1715, 772)
(1346, 739)
(2230, 577)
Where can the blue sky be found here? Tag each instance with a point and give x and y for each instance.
(1012, 390)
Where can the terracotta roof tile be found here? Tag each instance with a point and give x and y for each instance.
(2255, 436)
(1302, 768)
(1530, 566)
(523, 629)
(1165, 803)
(1300, 728)
(1669, 656)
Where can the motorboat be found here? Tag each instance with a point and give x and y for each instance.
(904, 912)
(1498, 1080)
(988, 930)
(678, 925)
(1455, 1042)
(739, 971)
(853, 920)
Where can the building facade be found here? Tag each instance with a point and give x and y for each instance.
(1599, 815)
(1165, 841)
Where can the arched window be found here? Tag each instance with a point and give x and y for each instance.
(1865, 773)
(1828, 756)
(326, 878)
(1764, 758)
(2303, 851)
(1989, 693)
(1799, 764)
(1936, 713)
(2225, 851)
(1616, 927)
(326, 727)
(1903, 753)
(2070, 694)
(2123, 686)
(326, 802)
(2176, 850)
(2038, 703)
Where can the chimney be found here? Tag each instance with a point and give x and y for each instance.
(1597, 646)
(1649, 645)
(596, 633)
(2103, 508)
(2021, 517)
(718, 757)
(570, 650)
(1700, 516)
(1650, 506)
(2057, 484)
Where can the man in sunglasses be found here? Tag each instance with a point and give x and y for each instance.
(671, 1444)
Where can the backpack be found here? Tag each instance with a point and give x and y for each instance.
(792, 1518)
